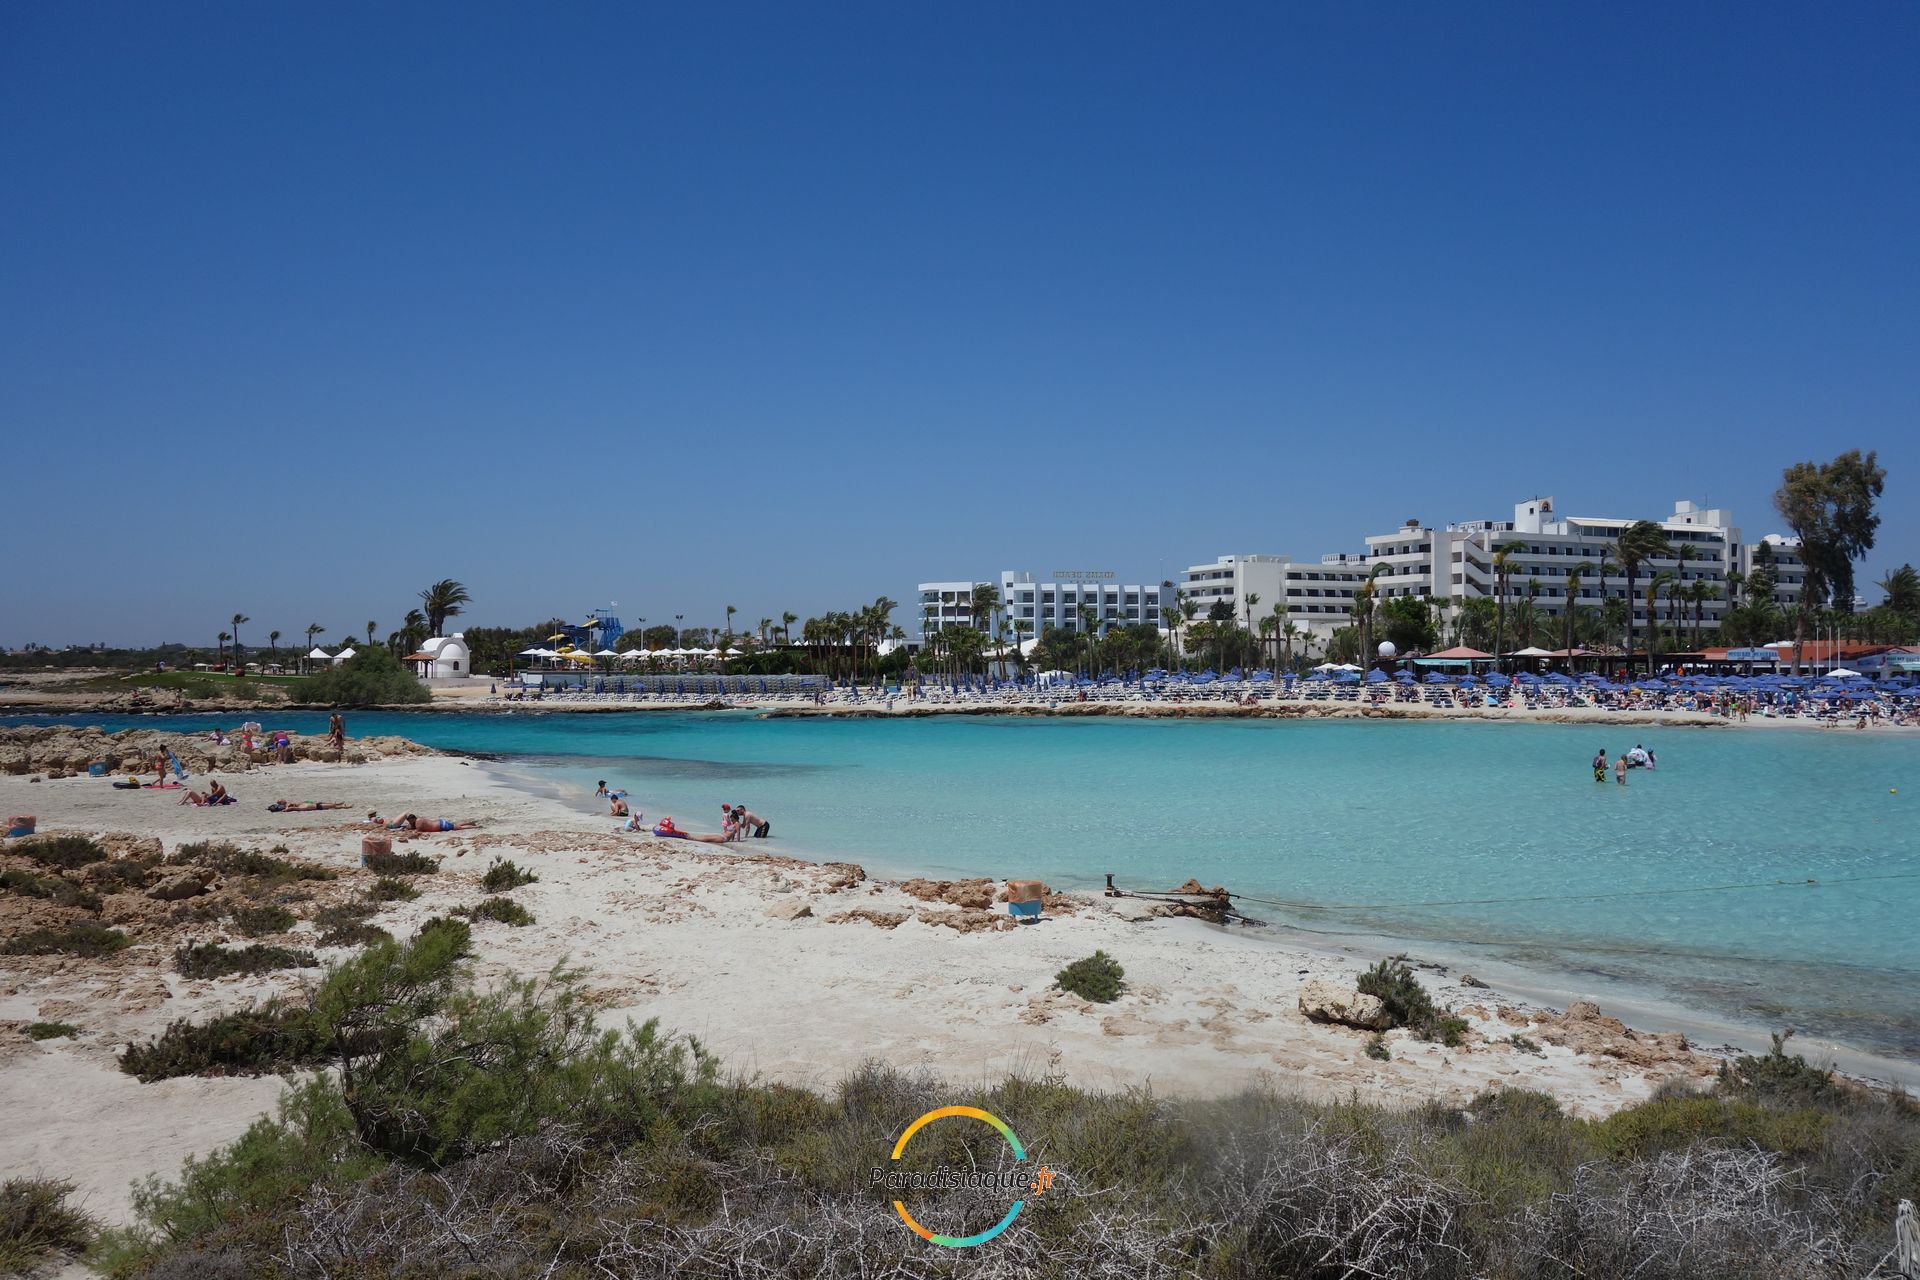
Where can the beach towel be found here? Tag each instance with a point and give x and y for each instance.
(161, 786)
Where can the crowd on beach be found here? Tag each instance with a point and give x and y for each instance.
(1823, 699)
(737, 822)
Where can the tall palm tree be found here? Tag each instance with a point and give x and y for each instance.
(786, 626)
(766, 625)
(1363, 611)
(730, 612)
(313, 629)
(273, 643)
(1189, 610)
(1253, 598)
(224, 637)
(1289, 633)
(1655, 585)
(442, 600)
(1574, 575)
(371, 624)
(1501, 561)
(238, 618)
(1639, 543)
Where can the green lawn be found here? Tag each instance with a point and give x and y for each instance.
(185, 681)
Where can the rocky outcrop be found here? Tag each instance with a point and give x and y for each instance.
(1584, 1029)
(1324, 1001)
(790, 909)
(958, 893)
(181, 885)
(61, 750)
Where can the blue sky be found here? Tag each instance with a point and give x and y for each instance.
(302, 308)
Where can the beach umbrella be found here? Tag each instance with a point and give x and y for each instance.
(1376, 676)
(606, 653)
(1498, 681)
(1434, 677)
(534, 652)
(1404, 677)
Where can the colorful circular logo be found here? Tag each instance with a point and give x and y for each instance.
(1019, 1153)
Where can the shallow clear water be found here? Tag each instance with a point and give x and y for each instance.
(1393, 827)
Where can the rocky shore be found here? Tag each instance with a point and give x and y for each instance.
(62, 751)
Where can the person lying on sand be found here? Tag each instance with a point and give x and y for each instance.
(667, 831)
(283, 806)
(413, 822)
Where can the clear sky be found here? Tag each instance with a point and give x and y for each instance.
(789, 306)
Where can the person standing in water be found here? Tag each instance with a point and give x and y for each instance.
(1620, 769)
(1600, 766)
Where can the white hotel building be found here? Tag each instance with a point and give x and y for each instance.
(1043, 605)
(1455, 564)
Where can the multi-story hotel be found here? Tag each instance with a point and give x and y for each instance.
(1318, 594)
(1453, 564)
(1042, 605)
(1543, 549)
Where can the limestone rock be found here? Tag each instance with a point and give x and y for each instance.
(960, 893)
(180, 886)
(1325, 1001)
(790, 909)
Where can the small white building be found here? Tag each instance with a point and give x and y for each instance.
(443, 657)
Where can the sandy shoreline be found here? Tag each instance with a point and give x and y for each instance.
(792, 970)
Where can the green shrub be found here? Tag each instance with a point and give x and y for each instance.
(1408, 1004)
(1777, 1077)
(372, 677)
(271, 1037)
(55, 889)
(1523, 1044)
(503, 875)
(1097, 977)
(50, 1030)
(229, 859)
(1377, 1047)
(84, 939)
(212, 960)
(344, 924)
(394, 889)
(256, 921)
(505, 910)
(401, 864)
(36, 1220)
(65, 852)
(118, 874)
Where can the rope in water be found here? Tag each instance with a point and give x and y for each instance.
(1538, 897)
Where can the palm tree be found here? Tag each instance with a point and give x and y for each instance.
(313, 629)
(1189, 610)
(1903, 590)
(371, 624)
(1290, 633)
(1655, 585)
(766, 624)
(730, 612)
(238, 618)
(1501, 559)
(786, 626)
(273, 643)
(1363, 611)
(442, 601)
(1639, 543)
(1253, 598)
(224, 637)
(1573, 593)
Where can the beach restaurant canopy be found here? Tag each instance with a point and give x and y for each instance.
(1458, 656)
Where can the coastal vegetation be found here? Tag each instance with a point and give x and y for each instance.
(503, 874)
(372, 677)
(502, 910)
(1407, 1003)
(215, 960)
(36, 1221)
(49, 1030)
(506, 1124)
(81, 938)
(406, 863)
(1097, 977)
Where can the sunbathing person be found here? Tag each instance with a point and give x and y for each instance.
(217, 794)
(666, 830)
(413, 822)
(283, 806)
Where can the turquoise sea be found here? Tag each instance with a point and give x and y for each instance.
(1478, 842)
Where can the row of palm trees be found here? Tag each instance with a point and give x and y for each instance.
(443, 600)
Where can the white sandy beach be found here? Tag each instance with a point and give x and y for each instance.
(790, 970)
